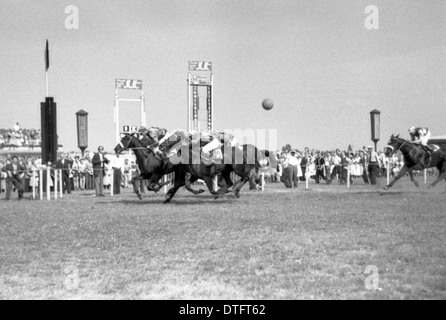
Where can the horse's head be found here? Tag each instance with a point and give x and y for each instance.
(394, 144)
(126, 142)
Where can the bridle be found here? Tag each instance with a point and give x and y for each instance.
(393, 149)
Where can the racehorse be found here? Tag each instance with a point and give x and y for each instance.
(150, 165)
(235, 159)
(415, 158)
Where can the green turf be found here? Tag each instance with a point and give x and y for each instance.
(279, 244)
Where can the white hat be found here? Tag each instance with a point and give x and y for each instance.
(370, 147)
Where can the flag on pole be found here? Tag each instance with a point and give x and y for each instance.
(47, 57)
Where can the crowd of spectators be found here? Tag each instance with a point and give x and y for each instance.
(18, 137)
(80, 172)
(327, 166)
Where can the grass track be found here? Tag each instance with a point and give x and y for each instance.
(280, 244)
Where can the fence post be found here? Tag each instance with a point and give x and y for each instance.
(425, 176)
(41, 184)
(55, 183)
(112, 181)
(34, 183)
(263, 181)
(48, 179)
(348, 176)
(60, 173)
(388, 172)
(215, 180)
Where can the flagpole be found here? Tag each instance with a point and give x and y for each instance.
(46, 84)
(47, 65)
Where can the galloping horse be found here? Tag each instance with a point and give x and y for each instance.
(150, 165)
(240, 160)
(415, 158)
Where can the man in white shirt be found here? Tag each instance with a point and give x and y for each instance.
(336, 159)
(292, 163)
(117, 165)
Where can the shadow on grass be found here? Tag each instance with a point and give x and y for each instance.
(174, 202)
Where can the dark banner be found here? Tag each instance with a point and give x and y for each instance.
(48, 117)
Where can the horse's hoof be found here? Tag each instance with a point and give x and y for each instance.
(139, 196)
(216, 197)
(201, 191)
(237, 194)
(166, 201)
(386, 188)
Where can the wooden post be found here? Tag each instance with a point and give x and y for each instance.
(48, 179)
(112, 181)
(55, 183)
(348, 176)
(60, 173)
(263, 181)
(41, 184)
(34, 184)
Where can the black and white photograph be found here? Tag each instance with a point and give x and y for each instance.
(223, 154)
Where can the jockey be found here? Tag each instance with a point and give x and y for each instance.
(215, 138)
(420, 135)
(155, 134)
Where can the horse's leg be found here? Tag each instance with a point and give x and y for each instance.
(240, 184)
(402, 172)
(189, 181)
(441, 175)
(136, 182)
(413, 179)
(179, 182)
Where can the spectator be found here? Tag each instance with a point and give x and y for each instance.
(99, 161)
(127, 173)
(76, 173)
(117, 164)
(373, 165)
(14, 177)
(319, 162)
(336, 170)
(82, 173)
(64, 164)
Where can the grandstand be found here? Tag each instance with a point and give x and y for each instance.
(20, 142)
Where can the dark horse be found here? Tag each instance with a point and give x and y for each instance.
(235, 159)
(151, 166)
(415, 158)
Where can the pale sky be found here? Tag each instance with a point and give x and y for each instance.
(315, 59)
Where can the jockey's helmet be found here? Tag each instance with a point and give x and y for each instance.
(412, 130)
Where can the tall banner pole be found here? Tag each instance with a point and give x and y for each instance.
(212, 101)
(188, 102)
(143, 110)
(116, 116)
